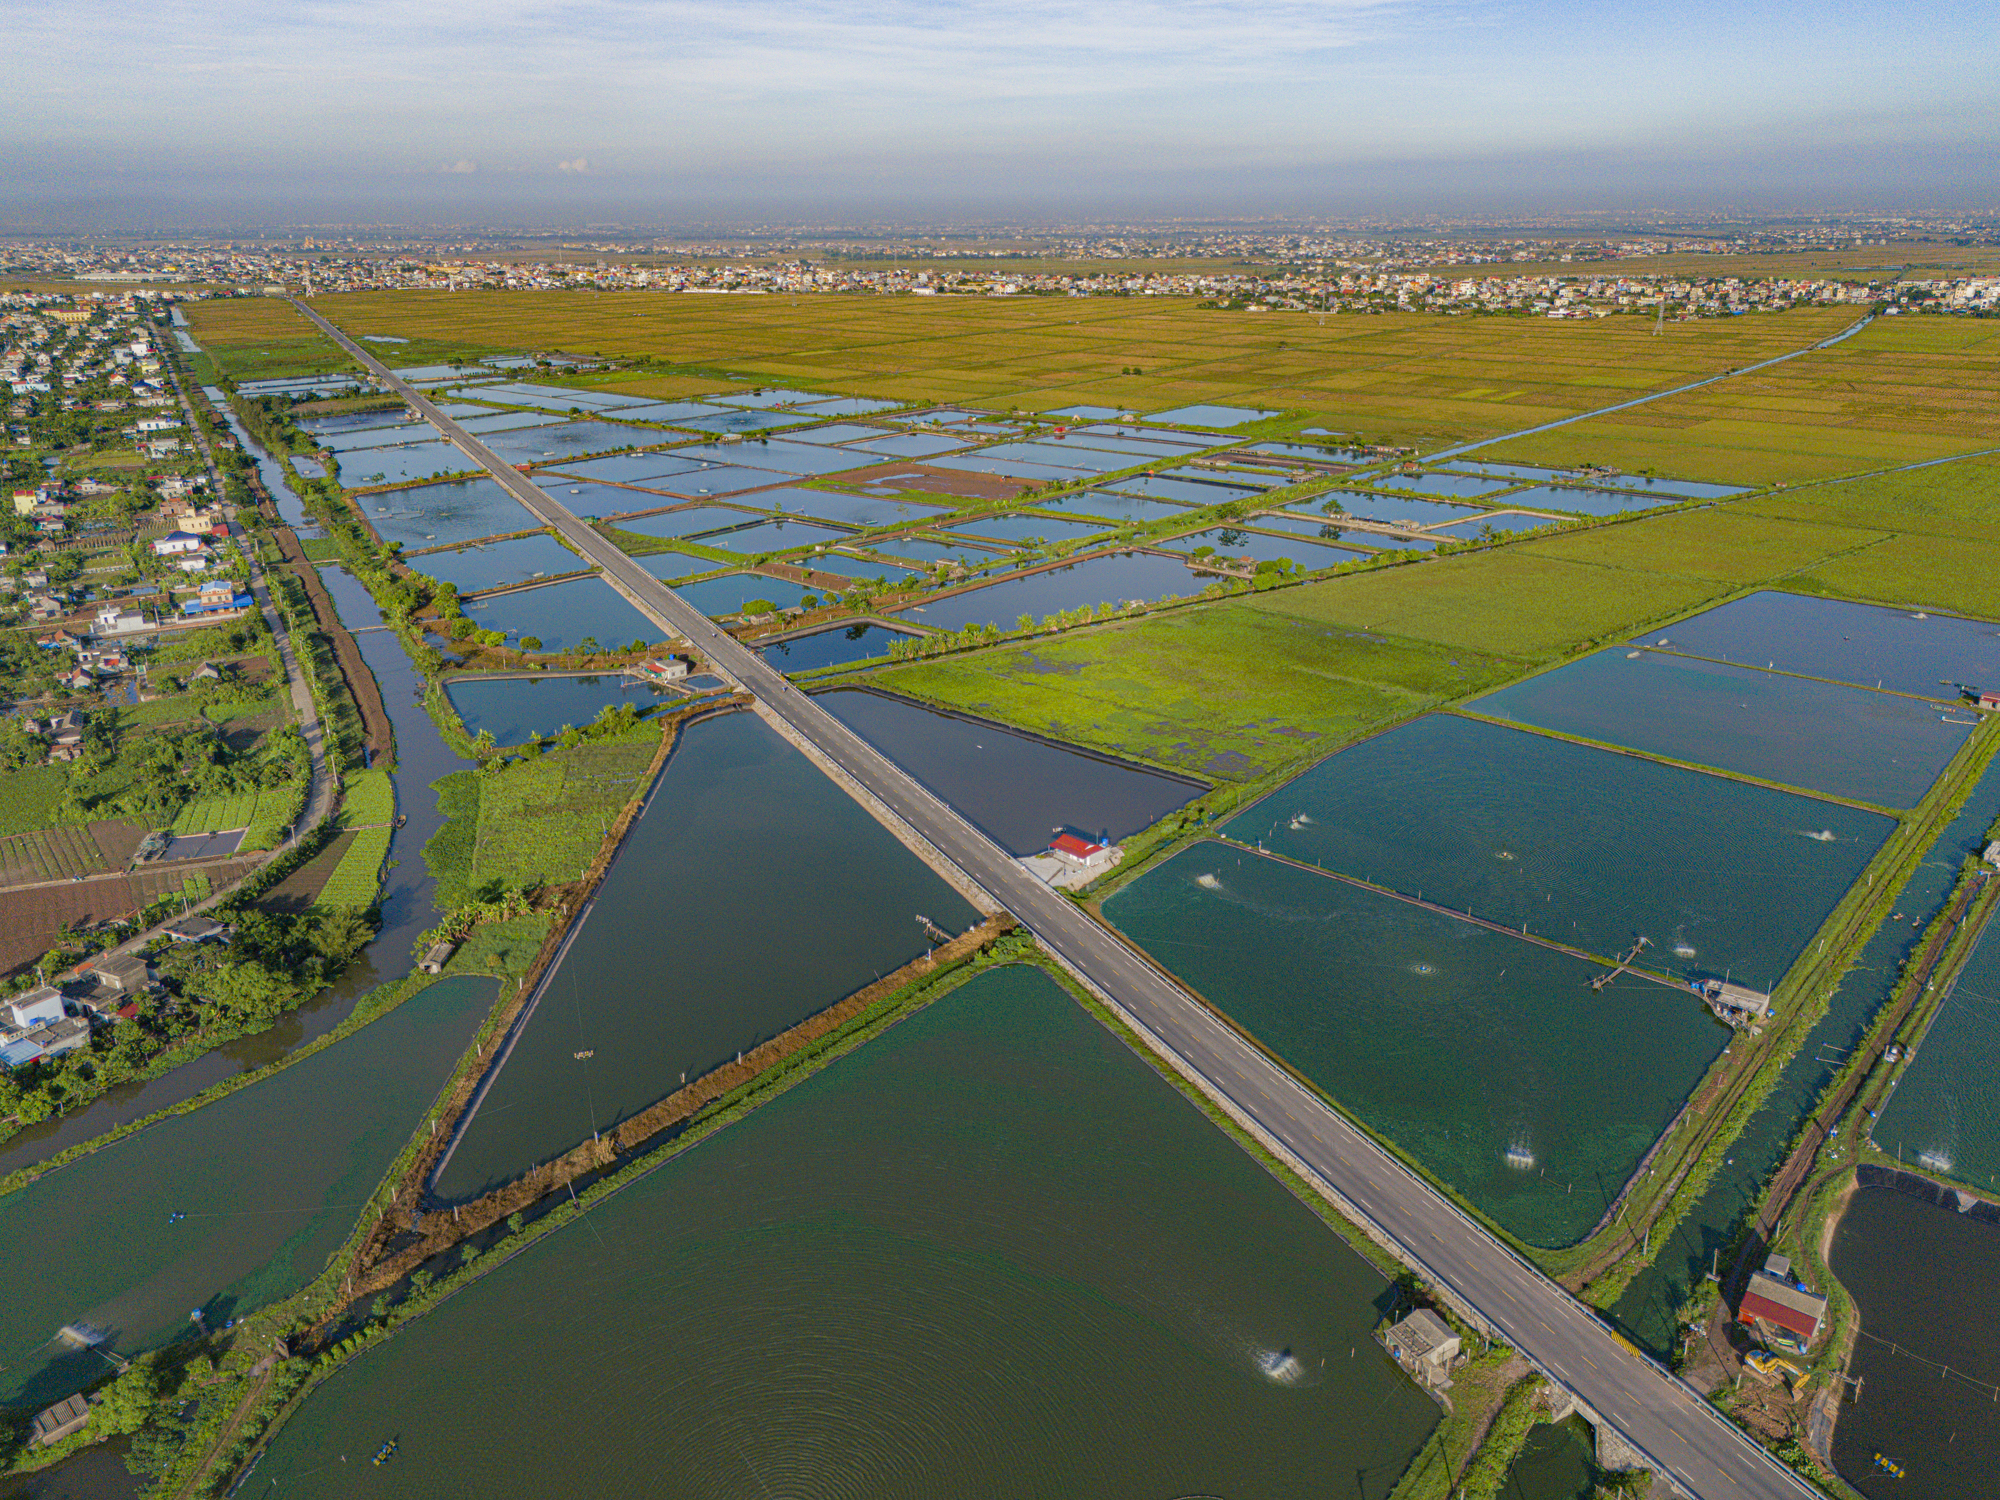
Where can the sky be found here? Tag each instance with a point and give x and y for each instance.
(676, 111)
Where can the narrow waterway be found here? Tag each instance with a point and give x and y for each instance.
(989, 1253)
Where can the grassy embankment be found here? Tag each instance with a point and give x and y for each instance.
(1403, 378)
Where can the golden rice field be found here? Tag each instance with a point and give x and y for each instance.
(1902, 390)
(1407, 378)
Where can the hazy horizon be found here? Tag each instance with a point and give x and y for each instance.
(655, 111)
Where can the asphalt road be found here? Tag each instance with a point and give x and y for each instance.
(1678, 1433)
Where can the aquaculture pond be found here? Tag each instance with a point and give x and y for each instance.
(404, 465)
(1465, 486)
(536, 445)
(1556, 1091)
(783, 455)
(925, 550)
(751, 893)
(1728, 877)
(856, 567)
(1927, 1362)
(1013, 468)
(1260, 546)
(1021, 789)
(1497, 522)
(562, 616)
(434, 515)
(1111, 579)
(1202, 415)
(832, 647)
(1647, 1311)
(516, 709)
(1583, 502)
(1389, 510)
(1864, 644)
(1020, 527)
(912, 445)
(1819, 735)
(1945, 1113)
(1124, 510)
(991, 1231)
(596, 501)
(226, 1208)
(631, 468)
(732, 593)
(1558, 1462)
(1322, 529)
(668, 566)
(689, 522)
(349, 445)
(857, 510)
(496, 564)
(775, 536)
(1187, 491)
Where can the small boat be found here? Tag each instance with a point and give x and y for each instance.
(1891, 1466)
(384, 1453)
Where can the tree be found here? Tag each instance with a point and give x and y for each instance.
(531, 643)
(127, 1402)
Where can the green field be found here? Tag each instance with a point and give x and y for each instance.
(30, 799)
(263, 337)
(367, 798)
(1405, 377)
(535, 821)
(358, 876)
(1900, 391)
(1226, 690)
(49, 854)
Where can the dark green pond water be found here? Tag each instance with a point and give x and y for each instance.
(990, 1253)
(516, 709)
(1945, 1113)
(1923, 1278)
(1458, 1043)
(1557, 1463)
(1646, 1312)
(270, 1180)
(751, 893)
(1822, 736)
(1585, 846)
(1020, 789)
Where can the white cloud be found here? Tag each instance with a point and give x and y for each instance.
(460, 167)
(579, 166)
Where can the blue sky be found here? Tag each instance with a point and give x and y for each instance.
(672, 109)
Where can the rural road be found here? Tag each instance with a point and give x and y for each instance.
(1679, 1434)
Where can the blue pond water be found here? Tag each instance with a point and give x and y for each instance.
(856, 567)
(1585, 502)
(756, 399)
(1203, 415)
(356, 439)
(668, 566)
(437, 514)
(781, 455)
(1124, 509)
(828, 648)
(1021, 528)
(1818, 735)
(1462, 485)
(848, 406)
(1233, 541)
(743, 421)
(541, 445)
(1254, 479)
(1321, 528)
(1061, 455)
(632, 468)
(1525, 828)
(1388, 509)
(774, 536)
(728, 594)
(924, 550)
(1858, 643)
(498, 563)
(599, 500)
(1085, 413)
(1193, 492)
(1011, 468)
(677, 523)
(723, 479)
(1493, 521)
(858, 510)
(1162, 435)
(396, 465)
(910, 444)
(1098, 580)
(563, 615)
(506, 421)
(516, 709)
(838, 432)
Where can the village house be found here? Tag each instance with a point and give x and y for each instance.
(1780, 1310)
(178, 544)
(1084, 854)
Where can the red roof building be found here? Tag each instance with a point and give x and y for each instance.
(1772, 1300)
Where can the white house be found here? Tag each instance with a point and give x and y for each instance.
(177, 542)
(115, 619)
(38, 1007)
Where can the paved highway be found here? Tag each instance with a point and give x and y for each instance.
(1673, 1428)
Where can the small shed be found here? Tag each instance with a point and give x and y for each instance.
(125, 973)
(197, 929)
(437, 956)
(1423, 1344)
(58, 1422)
(1083, 853)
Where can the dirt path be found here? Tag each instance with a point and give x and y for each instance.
(361, 682)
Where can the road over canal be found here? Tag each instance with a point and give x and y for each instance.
(1674, 1430)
